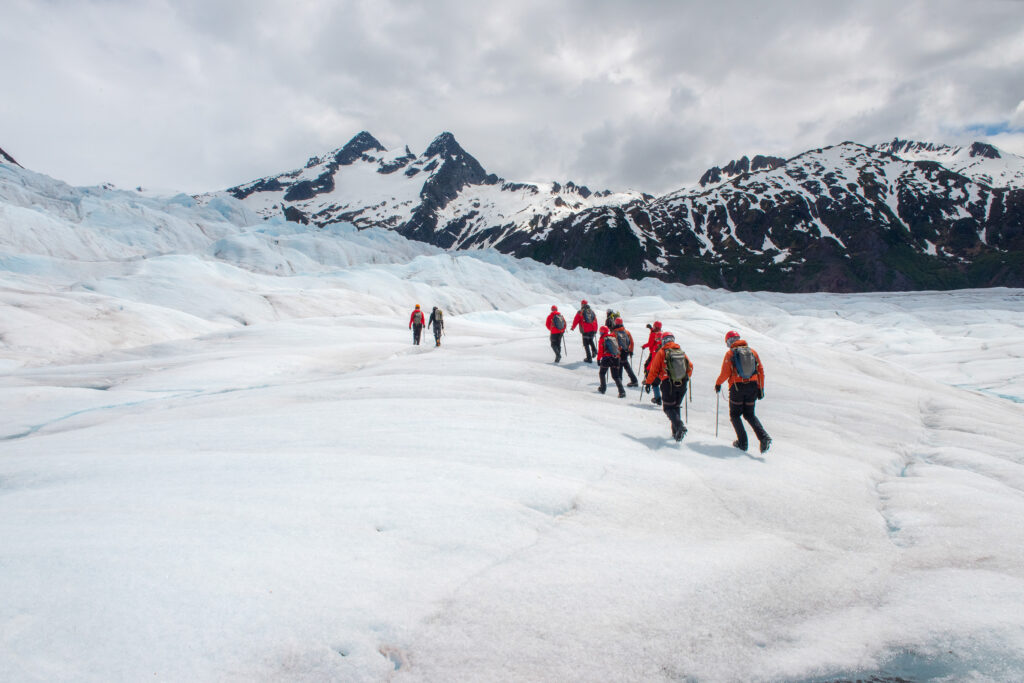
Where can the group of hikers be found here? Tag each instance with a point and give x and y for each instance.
(416, 324)
(667, 370)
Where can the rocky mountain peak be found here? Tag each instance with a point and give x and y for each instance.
(445, 145)
(357, 147)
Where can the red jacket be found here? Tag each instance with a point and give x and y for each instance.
(653, 340)
(657, 370)
(729, 372)
(585, 327)
(550, 324)
(417, 321)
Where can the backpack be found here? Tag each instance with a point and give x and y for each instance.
(558, 322)
(417, 318)
(678, 366)
(611, 347)
(438, 317)
(623, 338)
(743, 362)
(588, 315)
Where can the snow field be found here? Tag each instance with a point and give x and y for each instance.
(231, 464)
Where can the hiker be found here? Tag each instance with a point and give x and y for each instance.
(671, 369)
(608, 358)
(609, 318)
(652, 346)
(416, 324)
(742, 368)
(556, 326)
(587, 321)
(625, 340)
(437, 321)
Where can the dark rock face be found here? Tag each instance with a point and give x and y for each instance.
(6, 158)
(980, 149)
(715, 175)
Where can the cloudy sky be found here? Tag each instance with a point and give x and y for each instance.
(203, 94)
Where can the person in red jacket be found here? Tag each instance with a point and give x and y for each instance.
(586, 319)
(742, 368)
(652, 346)
(626, 350)
(671, 361)
(608, 359)
(556, 326)
(416, 321)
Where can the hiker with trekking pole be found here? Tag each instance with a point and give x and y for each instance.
(556, 326)
(416, 324)
(652, 346)
(609, 358)
(672, 369)
(742, 368)
(625, 340)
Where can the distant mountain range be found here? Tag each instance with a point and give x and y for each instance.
(895, 216)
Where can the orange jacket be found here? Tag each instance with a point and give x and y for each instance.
(729, 372)
(657, 370)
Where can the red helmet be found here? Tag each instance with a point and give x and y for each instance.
(618, 322)
(657, 324)
(583, 303)
(554, 308)
(604, 329)
(731, 336)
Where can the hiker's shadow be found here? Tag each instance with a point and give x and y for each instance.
(653, 442)
(722, 452)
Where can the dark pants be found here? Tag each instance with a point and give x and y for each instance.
(589, 347)
(417, 330)
(610, 363)
(672, 398)
(556, 345)
(742, 397)
(625, 361)
(437, 334)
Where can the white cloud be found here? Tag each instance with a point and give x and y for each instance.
(202, 94)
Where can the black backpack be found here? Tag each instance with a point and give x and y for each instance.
(588, 315)
(678, 366)
(743, 362)
(623, 338)
(558, 321)
(611, 347)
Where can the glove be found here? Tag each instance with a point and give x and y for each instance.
(718, 388)
(760, 393)
(647, 388)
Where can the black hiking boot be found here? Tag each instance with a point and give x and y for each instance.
(622, 394)
(656, 401)
(601, 390)
(678, 431)
(766, 443)
(588, 360)
(741, 446)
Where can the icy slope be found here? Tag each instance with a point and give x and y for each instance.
(222, 459)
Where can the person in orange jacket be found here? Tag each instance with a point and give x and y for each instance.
(416, 321)
(556, 326)
(742, 368)
(608, 358)
(671, 369)
(586, 319)
(652, 346)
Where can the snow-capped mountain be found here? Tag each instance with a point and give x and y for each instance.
(981, 162)
(844, 218)
(442, 196)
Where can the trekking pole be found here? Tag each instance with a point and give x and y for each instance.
(718, 397)
(564, 347)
